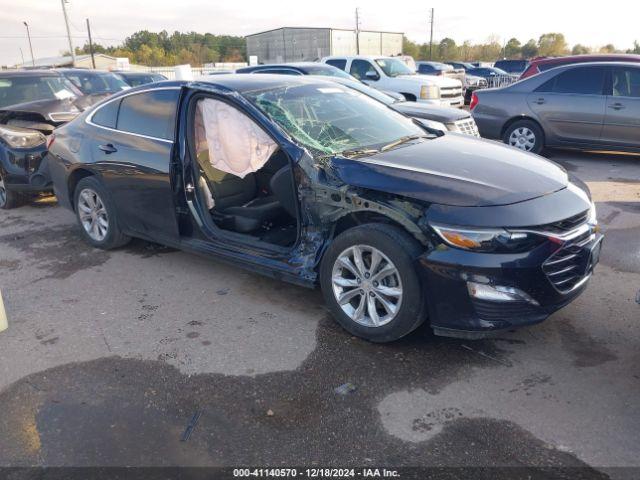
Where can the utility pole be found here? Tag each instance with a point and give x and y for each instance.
(33, 60)
(66, 22)
(22, 55)
(357, 32)
(431, 37)
(93, 59)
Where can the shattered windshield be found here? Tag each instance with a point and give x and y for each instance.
(333, 119)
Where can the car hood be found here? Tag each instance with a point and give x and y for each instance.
(431, 112)
(455, 170)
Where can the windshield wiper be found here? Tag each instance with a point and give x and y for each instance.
(353, 152)
(401, 140)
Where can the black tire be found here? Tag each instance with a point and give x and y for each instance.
(531, 126)
(9, 198)
(402, 250)
(114, 237)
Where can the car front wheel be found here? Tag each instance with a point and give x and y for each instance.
(525, 135)
(97, 215)
(8, 198)
(370, 283)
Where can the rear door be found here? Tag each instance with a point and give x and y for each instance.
(133, 153)
(622, 117)
(571, 105)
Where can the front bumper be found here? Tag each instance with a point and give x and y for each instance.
(454, 312)
(25, 170)
(455, 102)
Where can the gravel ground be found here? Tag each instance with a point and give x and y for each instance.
(108, 356)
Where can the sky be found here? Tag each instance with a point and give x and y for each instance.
(587, 22)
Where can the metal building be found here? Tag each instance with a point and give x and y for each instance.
(308, 44)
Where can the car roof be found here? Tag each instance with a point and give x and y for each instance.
(126, 72)
(81, 70)
(232, 82)
(29, 73)
(598, 58)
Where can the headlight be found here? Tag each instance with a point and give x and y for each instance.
(593, 215)
(429, 92)
(17, 137)
(495, 240)
(432, 124)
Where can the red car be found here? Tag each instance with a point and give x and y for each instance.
(542, 64)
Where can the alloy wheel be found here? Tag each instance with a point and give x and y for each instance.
(523, 138)
(93, 214)
(3, 193)
(367, 286)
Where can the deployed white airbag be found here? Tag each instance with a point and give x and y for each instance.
(236, 144)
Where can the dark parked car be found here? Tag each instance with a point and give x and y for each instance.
(313, 183)
(593, 106)
(135, 79)
(32, 104)
(512, 67)
(444, 119)
(95, 82)
(543, 64)
(463, 65)
(299, 68)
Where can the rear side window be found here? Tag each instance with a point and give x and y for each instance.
(423, 68)
(626, 82)
(107, 116)
(583, 81)
(151, 113)
(338, 63)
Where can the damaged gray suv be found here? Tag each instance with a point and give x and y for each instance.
(317, 184)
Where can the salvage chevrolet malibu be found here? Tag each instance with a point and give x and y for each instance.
(314, 183)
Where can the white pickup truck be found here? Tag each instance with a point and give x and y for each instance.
(392, 75)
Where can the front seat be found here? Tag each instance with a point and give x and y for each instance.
(236, 203)
(283, 190)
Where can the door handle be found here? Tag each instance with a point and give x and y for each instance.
(539, 101)
(617, 106)
(108, 148)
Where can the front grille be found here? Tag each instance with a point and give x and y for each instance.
(508, 311)
(450, 92)
(569, 265)
(467, 126)
(565, 225)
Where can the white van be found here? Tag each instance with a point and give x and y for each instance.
(393, 75)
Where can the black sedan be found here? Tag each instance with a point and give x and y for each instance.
(298, 68)
(135, 79)
(313, 183)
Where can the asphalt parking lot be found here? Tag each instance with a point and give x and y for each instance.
(109, 355)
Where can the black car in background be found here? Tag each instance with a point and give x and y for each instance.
(463, 65)
(512, 67)
(311, 182)
(135, 79)
(434, 117)
(32, 104)
(298, 68)
(95, 82)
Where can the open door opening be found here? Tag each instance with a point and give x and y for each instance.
(244, 179)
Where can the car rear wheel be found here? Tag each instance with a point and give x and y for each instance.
(8, 198)
(370, 283)
(525, 135)
(97, 215)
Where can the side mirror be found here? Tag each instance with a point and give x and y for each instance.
(371, 75)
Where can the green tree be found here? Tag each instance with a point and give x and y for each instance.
(513, 48)
(635, 49)
(410, 48)
(447, 49)
(580, 49)
(609, 48)
(530, 49)
(552, 45)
